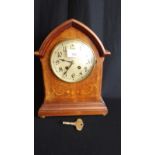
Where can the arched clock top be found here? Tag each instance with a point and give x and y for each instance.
(81, 27)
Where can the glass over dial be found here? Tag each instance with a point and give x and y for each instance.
(72, 60)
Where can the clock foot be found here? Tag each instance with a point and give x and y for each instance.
(42, 116)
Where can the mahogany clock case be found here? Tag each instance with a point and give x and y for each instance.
(78, 98)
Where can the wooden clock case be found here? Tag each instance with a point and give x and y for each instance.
(70, 99)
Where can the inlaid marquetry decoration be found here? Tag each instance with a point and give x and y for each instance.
(72, 59)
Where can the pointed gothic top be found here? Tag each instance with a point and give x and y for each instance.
(78, 25)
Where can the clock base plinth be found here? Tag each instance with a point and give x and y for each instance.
(73, 109)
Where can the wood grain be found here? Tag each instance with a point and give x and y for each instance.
(81, 98)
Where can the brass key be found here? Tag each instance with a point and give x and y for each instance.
(78, 124)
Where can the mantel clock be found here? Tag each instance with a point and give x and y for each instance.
(72, 59)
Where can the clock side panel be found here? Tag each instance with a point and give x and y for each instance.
(58, 91)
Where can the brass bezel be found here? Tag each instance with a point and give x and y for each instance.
(52, 67)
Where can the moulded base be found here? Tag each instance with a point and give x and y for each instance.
(73, 109)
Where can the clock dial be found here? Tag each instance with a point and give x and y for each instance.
(72, 60)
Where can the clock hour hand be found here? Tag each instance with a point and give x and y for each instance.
(68, 67)
(66, 60)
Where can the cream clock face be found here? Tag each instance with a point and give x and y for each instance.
(72, 60)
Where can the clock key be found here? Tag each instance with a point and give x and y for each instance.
(79, 124)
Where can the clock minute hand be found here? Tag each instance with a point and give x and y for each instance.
(66, 60)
